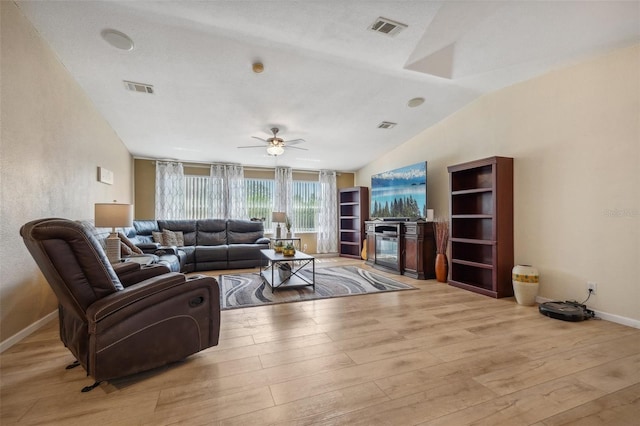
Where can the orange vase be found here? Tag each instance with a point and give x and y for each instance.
(442, 267)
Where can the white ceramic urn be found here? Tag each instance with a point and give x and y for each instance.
(525, 280)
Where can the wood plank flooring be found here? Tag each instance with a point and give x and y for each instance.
(434, 356)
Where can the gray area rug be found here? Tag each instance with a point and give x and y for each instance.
(244, 290)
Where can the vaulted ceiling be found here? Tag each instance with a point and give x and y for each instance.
(327, 78)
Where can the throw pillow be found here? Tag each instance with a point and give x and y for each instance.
(170, 238)
(180, 238)
(158, 237)
(125, 250)
(130, 247)
(173, 238)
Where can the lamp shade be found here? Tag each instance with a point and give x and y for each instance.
(112, 215)
(278, 217)
(275, 150)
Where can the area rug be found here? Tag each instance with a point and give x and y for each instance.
(244, 290)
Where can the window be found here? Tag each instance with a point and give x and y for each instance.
(260, 193)
(197, 197)
(305, 205)
(260, 199)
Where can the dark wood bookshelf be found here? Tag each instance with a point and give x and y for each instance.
(481, 217)
(353, 210)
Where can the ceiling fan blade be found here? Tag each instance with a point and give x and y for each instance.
(260, 139)
(296, 147)
(251, 146)
(294, 141)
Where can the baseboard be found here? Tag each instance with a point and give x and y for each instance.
(630, 322)
(6, 344)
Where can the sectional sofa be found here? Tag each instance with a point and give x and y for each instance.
(208, 243)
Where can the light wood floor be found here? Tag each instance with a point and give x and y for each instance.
(434, 356)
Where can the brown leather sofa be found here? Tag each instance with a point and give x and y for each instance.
(121, 321)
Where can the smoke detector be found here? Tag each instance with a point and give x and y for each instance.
(117, 39)
(387, 26)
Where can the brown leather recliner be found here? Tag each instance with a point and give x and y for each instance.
(115, 330)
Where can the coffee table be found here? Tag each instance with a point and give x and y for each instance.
(271, 273)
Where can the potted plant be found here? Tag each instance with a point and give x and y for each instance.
(289, 249)
(441, 228)
(278, 246)
(287, 224)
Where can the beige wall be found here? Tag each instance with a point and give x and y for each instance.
(575, 137)
(145, 178)
(52, 141)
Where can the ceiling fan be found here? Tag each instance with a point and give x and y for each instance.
(275, 145)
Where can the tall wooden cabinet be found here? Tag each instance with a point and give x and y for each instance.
(481, 238)
(353, 208)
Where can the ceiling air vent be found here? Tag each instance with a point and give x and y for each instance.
(387, 26)
(386, 125)
(138, 87)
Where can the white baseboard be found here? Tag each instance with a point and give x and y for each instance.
(630, 322)
(6, 344)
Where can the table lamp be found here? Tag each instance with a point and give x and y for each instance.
(113, 215)
(278, 217)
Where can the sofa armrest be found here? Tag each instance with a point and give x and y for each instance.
(124, 268)
(148, 247)
(149, 292)
(106, 306)
(263, 240)
(144, 273)
(162, 250)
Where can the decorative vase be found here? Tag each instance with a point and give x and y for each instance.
(363, 253)
(289, 252)
(525, 284)
(289, 234)
(442, 267)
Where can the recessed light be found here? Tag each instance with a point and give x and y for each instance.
(117, 39)
(415, 102)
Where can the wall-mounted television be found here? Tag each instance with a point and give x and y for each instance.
(400, 193)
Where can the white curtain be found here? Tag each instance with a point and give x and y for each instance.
(170, 190)
(236, 198)
(228, 191)
(283, 196)
(218, 197)
(328, 213)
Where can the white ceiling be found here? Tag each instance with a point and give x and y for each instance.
(327, 78)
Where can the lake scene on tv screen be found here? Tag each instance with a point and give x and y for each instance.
(400, 193)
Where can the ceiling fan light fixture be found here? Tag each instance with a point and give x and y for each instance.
(275, 150)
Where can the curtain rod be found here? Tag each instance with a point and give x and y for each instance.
(249, 168)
